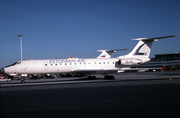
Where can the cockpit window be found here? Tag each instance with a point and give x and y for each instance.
(18, 62)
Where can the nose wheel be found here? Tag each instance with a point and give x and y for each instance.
(22, 81)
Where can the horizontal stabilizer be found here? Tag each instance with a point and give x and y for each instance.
(111, 50)
(107, 53)
(154, 39)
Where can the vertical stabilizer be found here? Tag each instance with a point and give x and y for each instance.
(143, 47)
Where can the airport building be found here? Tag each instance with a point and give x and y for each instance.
(164, 62)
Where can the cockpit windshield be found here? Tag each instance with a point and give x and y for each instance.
(18, 62)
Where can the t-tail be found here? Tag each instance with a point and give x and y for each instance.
(143, 48)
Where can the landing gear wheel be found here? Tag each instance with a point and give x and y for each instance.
(111, 77)
(91, 77)
(22, 81)
(106, 77)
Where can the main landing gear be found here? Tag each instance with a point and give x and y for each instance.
(91, 77)
(109, 77)
(106, 77)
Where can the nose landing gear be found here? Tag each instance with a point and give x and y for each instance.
(22, 81)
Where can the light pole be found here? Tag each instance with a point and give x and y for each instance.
(21, 45)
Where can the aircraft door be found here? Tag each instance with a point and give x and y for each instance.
(45, 65)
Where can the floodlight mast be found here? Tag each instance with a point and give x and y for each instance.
(21, 45)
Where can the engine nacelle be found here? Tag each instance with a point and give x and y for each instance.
(129, 62)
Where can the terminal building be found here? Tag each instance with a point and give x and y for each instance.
(163, 62)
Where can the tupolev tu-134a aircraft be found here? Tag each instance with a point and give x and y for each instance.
(105, 66)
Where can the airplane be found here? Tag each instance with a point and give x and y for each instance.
(105, 66)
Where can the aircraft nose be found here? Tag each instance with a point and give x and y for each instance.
(6, 70)
(9, 70)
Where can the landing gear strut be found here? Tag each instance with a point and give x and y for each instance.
(22, 79)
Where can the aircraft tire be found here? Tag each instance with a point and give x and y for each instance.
(111, 77)
(106, 77)
(91, 77)
(22, 81)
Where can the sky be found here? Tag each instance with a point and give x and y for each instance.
(57, 29)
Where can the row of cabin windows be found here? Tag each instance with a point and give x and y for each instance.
(82, 63)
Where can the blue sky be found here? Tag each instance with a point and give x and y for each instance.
(77, 28)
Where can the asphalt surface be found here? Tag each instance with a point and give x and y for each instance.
(130, 95)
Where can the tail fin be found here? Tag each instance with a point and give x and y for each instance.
(143, 48)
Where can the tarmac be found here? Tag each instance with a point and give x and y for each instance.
(146, 95)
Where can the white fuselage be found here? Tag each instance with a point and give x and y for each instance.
(65, 66)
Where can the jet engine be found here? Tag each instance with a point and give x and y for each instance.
(129, 62)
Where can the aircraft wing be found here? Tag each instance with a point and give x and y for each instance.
(109, 70)
(95, 70)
